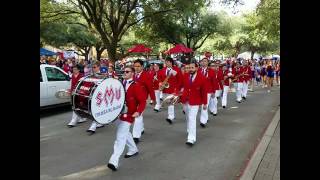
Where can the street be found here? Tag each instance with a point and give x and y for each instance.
(220, 153)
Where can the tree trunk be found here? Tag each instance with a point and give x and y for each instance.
(112, 52)
(86, 54)
(99, 52)
(252, 54)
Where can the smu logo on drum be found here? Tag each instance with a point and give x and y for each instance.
(108, 96)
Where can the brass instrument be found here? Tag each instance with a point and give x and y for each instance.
(171, 100)
(165, 83)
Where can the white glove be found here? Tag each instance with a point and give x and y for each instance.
(173, 72)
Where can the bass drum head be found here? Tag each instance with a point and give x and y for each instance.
(107, 101)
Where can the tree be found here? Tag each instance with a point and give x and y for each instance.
(113, 18)
(269, 17)
(257, 40)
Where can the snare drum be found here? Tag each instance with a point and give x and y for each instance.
(98, 98)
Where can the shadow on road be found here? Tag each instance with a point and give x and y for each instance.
(54, 111)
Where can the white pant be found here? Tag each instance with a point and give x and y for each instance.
(213, 104)
(204, 113)
(170, 108)
(185, 108)
(123, 138)
(191, 116)
(225, 95)
(161, 95)
(158, 103)
(218, 93)
(244, 89)
(75, 119)
(239, 91)
(94, 126)
(138, 126)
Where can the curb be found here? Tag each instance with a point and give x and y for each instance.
(257, 156)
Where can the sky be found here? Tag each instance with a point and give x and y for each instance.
(249, 5)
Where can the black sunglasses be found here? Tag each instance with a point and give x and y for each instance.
(127, 71)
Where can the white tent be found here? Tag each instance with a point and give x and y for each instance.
(247, 55)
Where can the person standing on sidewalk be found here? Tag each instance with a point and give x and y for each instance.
(145, 80)
(194, 95)
(135, 105)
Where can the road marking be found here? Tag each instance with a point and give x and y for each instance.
(257, 156)
(92, 173)
(234, 107)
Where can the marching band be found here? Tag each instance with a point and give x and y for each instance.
(194, 87)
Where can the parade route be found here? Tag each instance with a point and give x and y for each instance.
(220, 153)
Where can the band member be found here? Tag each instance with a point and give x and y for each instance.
(173, 76)
(145, 80)
(155, 82)
(94, 125)
(150, 72)
(246, 71)
(227, 75)
(219, 76)
(76, 75)
(111, 72)
(185, 70)
(194, 95)
(209, 75)
(237, 71)
(135, 105)
(213, 102)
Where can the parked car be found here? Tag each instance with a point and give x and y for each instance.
(52, 79)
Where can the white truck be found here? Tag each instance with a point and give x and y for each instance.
(52, 79)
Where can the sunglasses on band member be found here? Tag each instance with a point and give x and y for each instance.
(127, 72)
(94, 67)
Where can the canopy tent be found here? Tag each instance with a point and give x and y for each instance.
(139, 48)
(273, 57)
(179, 48)
(247, 55)
(45, 52)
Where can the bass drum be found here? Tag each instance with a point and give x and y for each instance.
(98, 98)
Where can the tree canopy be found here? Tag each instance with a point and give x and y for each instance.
(116, 25)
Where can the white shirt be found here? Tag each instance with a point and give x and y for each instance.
(194, 76)
(129, 82)
(138, 75)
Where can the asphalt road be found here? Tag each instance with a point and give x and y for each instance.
(220, 153)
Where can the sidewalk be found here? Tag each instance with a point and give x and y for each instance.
(265, 162)
(269, 167)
